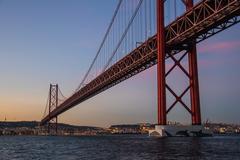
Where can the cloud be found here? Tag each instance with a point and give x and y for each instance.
(219, 47)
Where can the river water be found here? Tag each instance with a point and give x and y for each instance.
(122, 147)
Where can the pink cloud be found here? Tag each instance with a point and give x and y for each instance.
(216, 62)
(208, 63)
(219, 47)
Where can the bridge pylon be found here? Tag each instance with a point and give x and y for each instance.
(191, 74)
(52, 125)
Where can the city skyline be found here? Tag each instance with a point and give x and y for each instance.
(55, 41)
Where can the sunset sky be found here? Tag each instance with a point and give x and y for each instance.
(43, 42)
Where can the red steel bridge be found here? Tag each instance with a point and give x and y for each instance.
(143, 33)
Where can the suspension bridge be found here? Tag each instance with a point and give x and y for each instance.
(144, 33)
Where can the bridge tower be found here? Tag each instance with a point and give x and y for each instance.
(192, 73)
(52, 127)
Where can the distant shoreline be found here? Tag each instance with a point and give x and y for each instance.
(33, 128)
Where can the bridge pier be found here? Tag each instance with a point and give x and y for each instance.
(180, 131)
(52, 127)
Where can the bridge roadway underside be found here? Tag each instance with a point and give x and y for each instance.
(204, 20)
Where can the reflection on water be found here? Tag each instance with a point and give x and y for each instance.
(121, 147)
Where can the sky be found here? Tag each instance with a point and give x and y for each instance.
(54, 41)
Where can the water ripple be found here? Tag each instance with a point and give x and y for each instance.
(129, 147)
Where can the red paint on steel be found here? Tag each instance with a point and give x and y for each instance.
(161, 52)
(52, 105)
(194, 83)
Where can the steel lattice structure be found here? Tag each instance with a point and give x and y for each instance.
(52, 105)
(198, 23)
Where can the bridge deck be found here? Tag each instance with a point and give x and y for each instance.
(202, 21)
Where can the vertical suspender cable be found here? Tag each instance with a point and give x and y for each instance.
(123, 35)
(104, 39)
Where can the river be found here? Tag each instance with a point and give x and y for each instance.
(118, 147)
